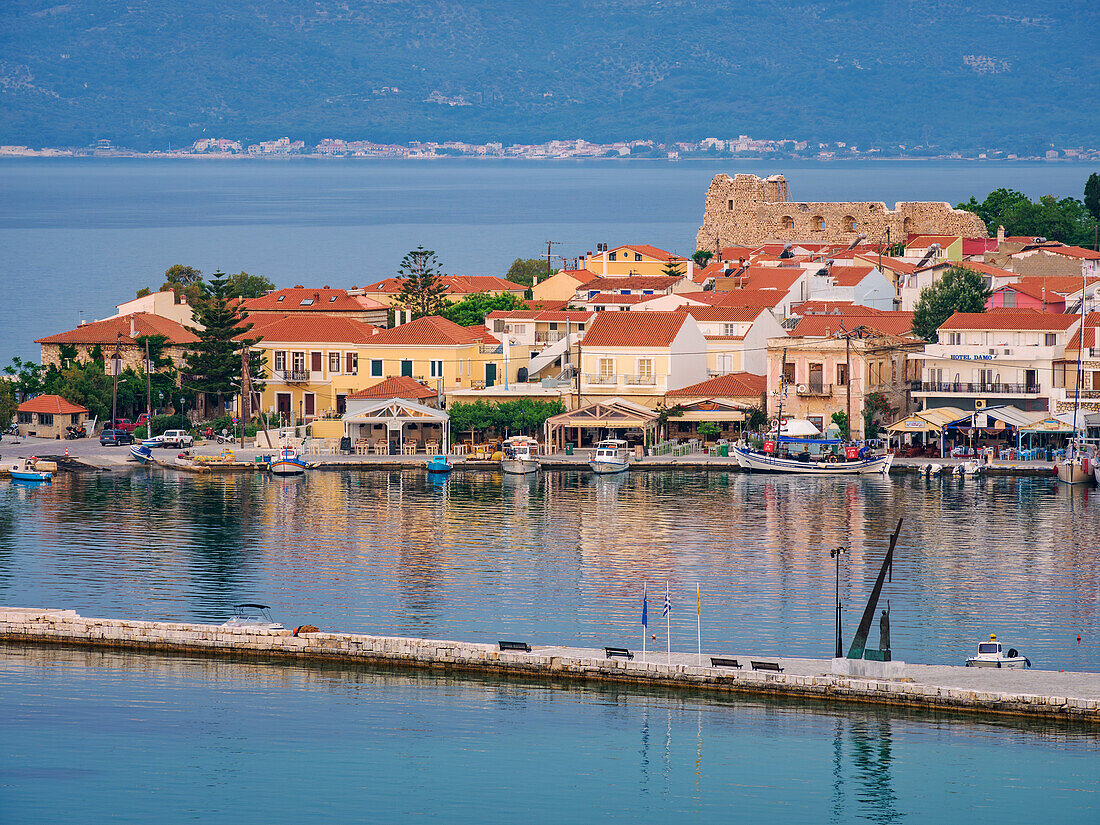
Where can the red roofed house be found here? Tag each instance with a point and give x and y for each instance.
(860, 283)
(457, 286)
(755, 285)
(1028, 294)
(301, 300)
(102, 338)
(561, 286)
(399, 386)
(1065, 369)
(988, 359)
(1056, 260)
(737, 337)
(724, 400)
(635, 259)
(47, 416)
(641, 355)
(827, 325)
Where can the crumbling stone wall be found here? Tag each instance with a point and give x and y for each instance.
(746, 209)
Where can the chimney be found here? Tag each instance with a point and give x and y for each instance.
(1000, 235)
(133, 329)
(408, 316)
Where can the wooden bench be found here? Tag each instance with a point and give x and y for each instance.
(622, 652)
(772, 666)
(717, 661)
(521, 646)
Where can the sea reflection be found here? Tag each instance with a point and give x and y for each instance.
(561, 557)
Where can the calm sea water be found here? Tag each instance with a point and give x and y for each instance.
(79, 237)
(95, 737)
(561, 558)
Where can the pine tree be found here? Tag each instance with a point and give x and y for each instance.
(214, 362)
(672, 269)
(421, 289)
(1092, 195)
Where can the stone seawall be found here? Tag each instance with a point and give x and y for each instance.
(66, 627)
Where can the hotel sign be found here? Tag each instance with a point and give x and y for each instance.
(972, 358)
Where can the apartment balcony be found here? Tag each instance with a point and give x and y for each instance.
(551, 337)
(1085, 395)
(294, 376)
(641, 380)
(814, 390)
(491, 349)
(965, 388)
(601, 379)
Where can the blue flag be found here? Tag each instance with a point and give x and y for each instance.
(645, 608)
(668, 605)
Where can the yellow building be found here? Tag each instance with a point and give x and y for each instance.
(561, 286)
(635, 259)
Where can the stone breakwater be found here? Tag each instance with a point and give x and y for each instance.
(1045, 694)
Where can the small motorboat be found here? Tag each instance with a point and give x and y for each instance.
(140, 453)
(968, 468)
(991, 654)
(610, 456)
(439, 464)
(28, 471)
(519, 456)
(288, 463)
(250, 615)
(930, 470)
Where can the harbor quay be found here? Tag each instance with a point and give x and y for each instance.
(1050, 695)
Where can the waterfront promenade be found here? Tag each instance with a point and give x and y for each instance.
(88, 455)
(1058, 696)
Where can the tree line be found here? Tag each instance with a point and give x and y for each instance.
(1068, 220)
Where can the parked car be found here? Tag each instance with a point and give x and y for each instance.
(115, 437)
(175, 438)
(124, 424)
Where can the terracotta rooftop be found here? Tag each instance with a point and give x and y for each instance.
(732, 385)
(304, 299)
(455, 285)
(652, 251)
(612, 283)
(634, 329)
(1067, 251)
(832, 308)
(51, 405)
(893, 264)
(1009, 319)
(823, 326)
(582, 275)
(850, 275)
(725, 314)
(328, 329)
(400, 386)
(106, 331)
(431, 330)
(576, 316)
(616, 298)
(1092, 334)
(1060, 284)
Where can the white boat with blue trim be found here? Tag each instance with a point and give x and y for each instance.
(854, 460)
(288, 463)
(519, 455)
(611, 456)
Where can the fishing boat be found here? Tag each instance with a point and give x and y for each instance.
(1078, 466)
(27, 471)
(991, 654)
(253, 616)
(141, 454)
(288, 463)
(854, 461)
(439, 464)
(519, 456)
(610, 457)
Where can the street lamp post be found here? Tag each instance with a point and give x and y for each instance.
(836, 554)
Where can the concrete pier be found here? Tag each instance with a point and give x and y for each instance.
(1057, 696)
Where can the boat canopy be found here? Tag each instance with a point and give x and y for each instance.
(788, 439)
(799, 428)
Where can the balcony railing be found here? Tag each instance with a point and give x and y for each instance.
(964, 387)
(814, 388)
(492, 349)
(601, 379)
(551, 337)
(1071, 392)
(295, 376)
(649, 380)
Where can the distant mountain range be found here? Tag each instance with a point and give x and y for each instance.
(956, 74)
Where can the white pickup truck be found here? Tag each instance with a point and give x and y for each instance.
(175, 438)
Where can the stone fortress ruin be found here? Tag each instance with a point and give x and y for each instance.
(747, 210)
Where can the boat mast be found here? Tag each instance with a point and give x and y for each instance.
(782, 392)
(1080, 350)
(148, 393)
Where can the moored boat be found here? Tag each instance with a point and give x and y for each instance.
(141, 453)
(853, 462)
(439, 464)
(519, 456)
(610, 456)
(991, 654)
(27, 471)
(288, 463)
(250, 615)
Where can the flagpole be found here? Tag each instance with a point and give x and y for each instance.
(699, 624)
(644, 628)
(668, 620)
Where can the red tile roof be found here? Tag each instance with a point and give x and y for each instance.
(823, 326)
(1033, 290)
(725, 314)
(51, 405)
(328, 329)
(1073, 252)
(576, 316)
(1092, 334)
(400, 386)
(652, 251)
(984, 268)
(925, 241)
(301, 299)
(893, 264)
(612, 283)
(1060, 284)
(830, 308)
(106, 331)
(582, 275)
(750, 298)
(732, 385)
(634, 329)
(455, 285)
(850, 275)
(431, 330)
(616, 298)
(1009, 319)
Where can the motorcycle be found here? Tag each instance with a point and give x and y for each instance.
(72, 432)
(225, 438)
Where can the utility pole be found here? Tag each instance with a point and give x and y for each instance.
(246, 393)
(848, 378)
(116, 365)
(148, 390)
(548, 256)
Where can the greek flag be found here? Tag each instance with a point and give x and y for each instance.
(668, 605)
(645, 607)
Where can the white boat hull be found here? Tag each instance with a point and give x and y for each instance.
(764, 463)
(1073, 472)
(606, 467)
(518, 466)
(1096, 473)
(1015, 662)
(287, 468)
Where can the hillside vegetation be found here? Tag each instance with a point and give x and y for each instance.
(1011, 74)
